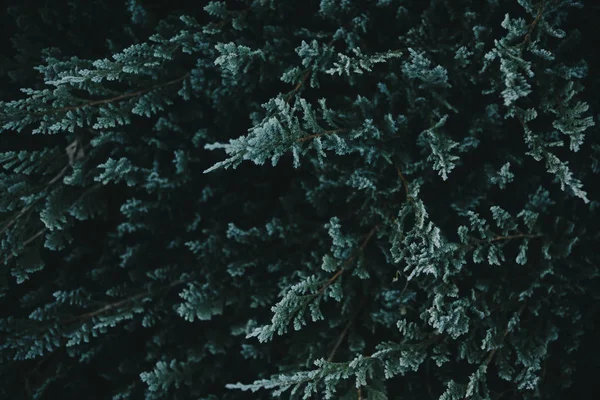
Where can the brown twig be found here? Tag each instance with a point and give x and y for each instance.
(538, 17)
(330, 281)
(305, 77)
(16, 217)
(37, 235)
(499, 238)
(224, 21)
(316, 135)
(44, 230)
(345, 332)
(493, 352)
(116, 98)
(363, 244)
(108, 307)
(348, 261)
(120, 303)
(299, 85)
(340, 340)
(404, 183)
(25, 209)
(508, 237)
(340, 271)
(60, 175)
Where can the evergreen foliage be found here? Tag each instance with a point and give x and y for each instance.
(326, 199)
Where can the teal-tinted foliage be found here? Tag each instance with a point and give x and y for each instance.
(327, 199)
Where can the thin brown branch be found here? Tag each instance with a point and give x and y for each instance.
(60, 175)
(500, 238)
(348, 261)
(116, 98)
(316, 135)
(330, 281)
(16, 217)
(364, 243)
(507, 237)
(224, 21)
(510, 237)
(404, 183)
(107, 307)
(25, 209)
(345, 331)
(299, 85)
(493, 352)
(44, 230)
(117, 304)
(432, 338)
(538, 17)
(340, 340)
(37, 235)
(305, 77)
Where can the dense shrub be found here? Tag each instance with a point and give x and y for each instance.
(313, 199)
